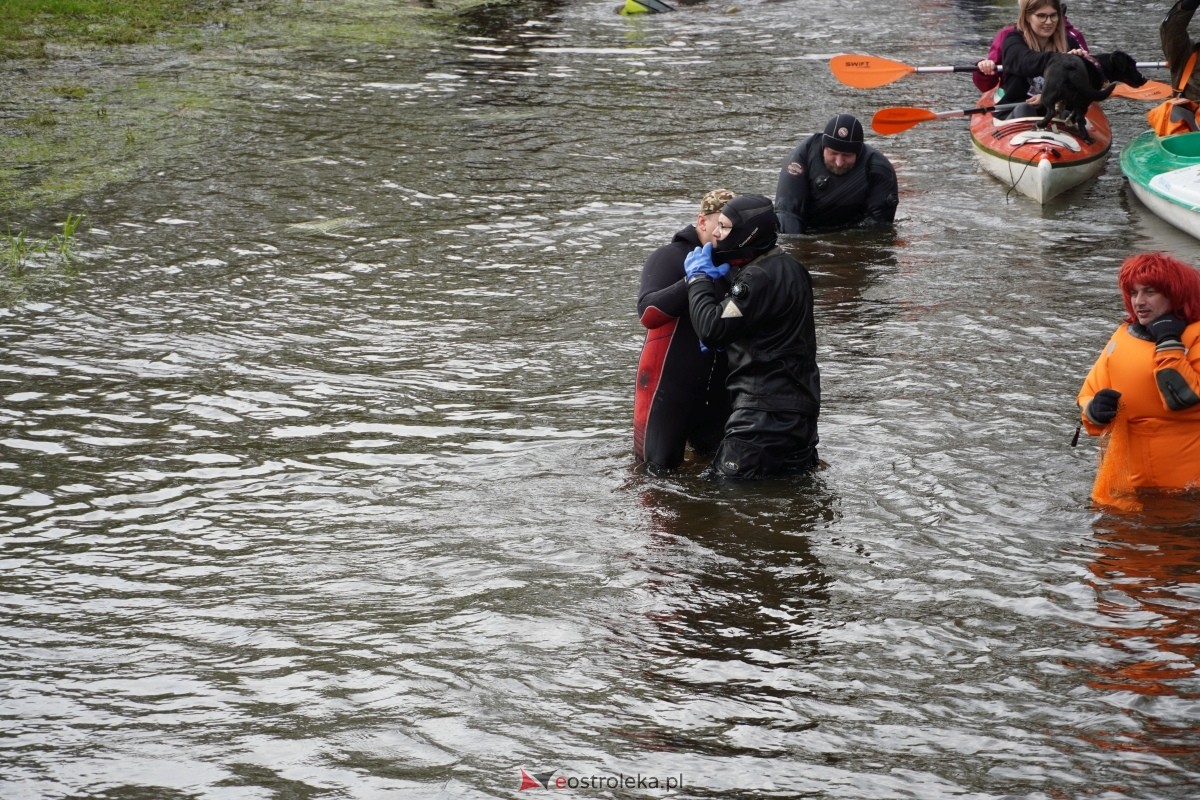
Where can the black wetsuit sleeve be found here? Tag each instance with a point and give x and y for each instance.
(663, 284)
(884, 194)
(791, 192)
(1021, 61)
(708, 314)
(1021, 67)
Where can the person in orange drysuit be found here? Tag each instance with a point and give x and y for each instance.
(1143, 392)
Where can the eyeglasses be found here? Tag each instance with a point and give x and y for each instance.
(1044, 18)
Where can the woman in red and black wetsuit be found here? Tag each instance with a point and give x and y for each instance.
(680, 396)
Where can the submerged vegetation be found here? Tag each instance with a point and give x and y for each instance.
(78, 121)
(26, 26)
(18, 248)
(98, 92)
(19, 253)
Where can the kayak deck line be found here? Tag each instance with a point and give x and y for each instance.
(1041, 162)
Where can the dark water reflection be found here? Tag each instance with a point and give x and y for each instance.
(317, 479)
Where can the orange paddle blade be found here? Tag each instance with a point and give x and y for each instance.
(1150, 90)
(867, 72)
(888, 121)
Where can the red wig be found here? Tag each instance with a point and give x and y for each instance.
(1179, 281)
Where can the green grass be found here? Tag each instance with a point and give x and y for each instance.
(16, 250)
(64, 243)
(55, 258)
(75, 132)
(25, 25)
(70, 91)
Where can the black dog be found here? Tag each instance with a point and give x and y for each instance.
(1072, 83)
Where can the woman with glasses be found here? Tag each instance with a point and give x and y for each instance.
(987, 77)
(1040, 33)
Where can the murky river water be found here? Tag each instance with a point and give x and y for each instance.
(317, 479)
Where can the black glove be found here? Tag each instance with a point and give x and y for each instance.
(1103, 408)
(1168, 327)
(1189, 5)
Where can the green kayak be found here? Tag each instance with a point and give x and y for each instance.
(1164, 173)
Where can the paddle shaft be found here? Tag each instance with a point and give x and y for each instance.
(999, 68)
(966, 112)
(888, 121)
(1151, 90)
(871, 72)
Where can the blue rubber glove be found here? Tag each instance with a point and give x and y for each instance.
(699, 262)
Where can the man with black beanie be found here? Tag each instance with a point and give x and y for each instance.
(766, 326)
(834, 180)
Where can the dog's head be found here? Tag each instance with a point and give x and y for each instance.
(1120, 66)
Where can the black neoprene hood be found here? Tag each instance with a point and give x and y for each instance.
(753, 232)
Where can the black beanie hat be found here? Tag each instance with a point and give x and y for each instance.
(844, 133)
(753, 232)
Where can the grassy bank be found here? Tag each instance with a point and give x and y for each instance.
(97, 92)
(27, 26)
(71, 119)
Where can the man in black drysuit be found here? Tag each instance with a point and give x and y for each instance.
(833, 180)
(766, 326)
